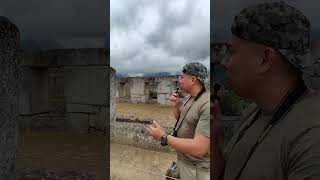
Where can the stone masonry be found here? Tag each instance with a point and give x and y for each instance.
(65, 89)
(112, 95)
(9, 79)
(138, 89)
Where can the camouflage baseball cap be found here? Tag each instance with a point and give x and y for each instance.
(278, 25)
(197, 69)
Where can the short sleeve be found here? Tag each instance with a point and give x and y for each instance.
(304, 156)
(203, 125)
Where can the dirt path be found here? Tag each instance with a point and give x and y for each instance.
(132, 163)
(61, 151)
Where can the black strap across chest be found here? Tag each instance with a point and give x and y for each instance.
(178, 125)
(285, 106)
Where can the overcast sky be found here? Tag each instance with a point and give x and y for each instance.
(59, 23)
(224, 11)
(158, 36)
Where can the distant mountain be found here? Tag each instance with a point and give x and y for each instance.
(119, 74)
(157, 74)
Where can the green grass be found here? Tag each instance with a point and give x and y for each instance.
(159, 113)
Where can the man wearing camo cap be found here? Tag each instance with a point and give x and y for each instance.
(267, 59)
(191, 137)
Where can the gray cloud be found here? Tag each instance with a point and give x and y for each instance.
(59, 23)
(224, 11)
(153, 36)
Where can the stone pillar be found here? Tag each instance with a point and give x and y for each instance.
(137, 90)
(9, 79)
(113, 89)
(164, 91)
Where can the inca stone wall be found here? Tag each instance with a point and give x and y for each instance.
(9, 79)
(138, 89)
(65, 89)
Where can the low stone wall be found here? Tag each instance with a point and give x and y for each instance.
(137, 135)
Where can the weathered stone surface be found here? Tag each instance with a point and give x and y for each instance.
(112, 95)
(133, 120)
(69, 86)
(137, 135)
(9, 82)
(65, 57)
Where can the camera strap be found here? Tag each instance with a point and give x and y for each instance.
(178, 125)
(286, 104)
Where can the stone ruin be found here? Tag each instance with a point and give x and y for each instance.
(65, 89)
(154, 90)
(136, 90)
(146, 89)
(62, 89)
(9, 79)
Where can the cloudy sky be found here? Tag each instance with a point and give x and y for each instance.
(59, 23)
(158, 36)
(224, 11)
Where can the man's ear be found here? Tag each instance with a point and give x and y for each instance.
(268, 56)
(194, 79)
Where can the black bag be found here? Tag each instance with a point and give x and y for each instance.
(173, 172)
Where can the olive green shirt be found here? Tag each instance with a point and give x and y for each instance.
(195, 120)
(291, 150)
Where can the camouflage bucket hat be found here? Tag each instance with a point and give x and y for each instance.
(281, 26)
(196, 69)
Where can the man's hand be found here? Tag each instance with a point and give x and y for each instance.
(174, 100)
(175, 103)
(156, 131)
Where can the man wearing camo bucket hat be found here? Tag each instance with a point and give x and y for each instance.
(268, 55)
(191, 134)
